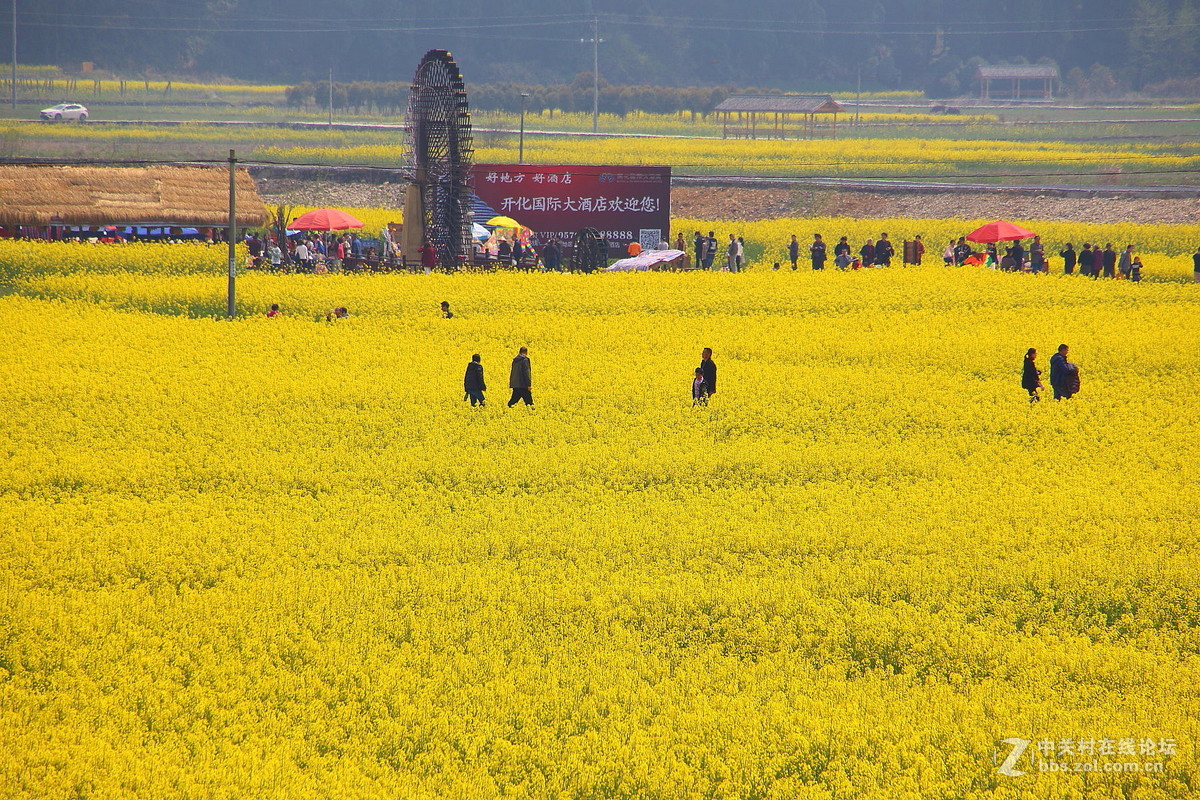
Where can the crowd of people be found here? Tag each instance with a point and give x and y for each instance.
(709, 253)
(309, 252)
(1089, 260)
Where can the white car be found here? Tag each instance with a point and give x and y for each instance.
(65, 111)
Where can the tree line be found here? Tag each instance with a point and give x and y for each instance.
(793, 45)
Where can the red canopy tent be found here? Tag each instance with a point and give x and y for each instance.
(325, 219)
(999, 231)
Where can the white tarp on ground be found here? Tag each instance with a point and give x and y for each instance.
(649, 260)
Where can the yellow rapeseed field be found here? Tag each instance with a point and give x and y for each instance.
(911, 157)
(281, 558)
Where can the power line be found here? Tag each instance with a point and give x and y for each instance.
(906, 28)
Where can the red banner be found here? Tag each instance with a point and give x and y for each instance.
(626, 204)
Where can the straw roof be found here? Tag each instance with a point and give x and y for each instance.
(1021, 71)
(154, 195)
(781, 104)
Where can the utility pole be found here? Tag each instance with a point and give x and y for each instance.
(231, 236)
(331, 96)
(595, 40)
(14, 59)
(857, 97)
(521, 140)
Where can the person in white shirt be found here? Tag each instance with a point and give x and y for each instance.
(302, 256)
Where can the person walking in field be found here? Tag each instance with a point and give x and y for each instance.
(1087, 261)
(1196, 265)
(1031, 376)
(1109, 259)
(1037, 256)
(699, 244)
(710, 249)
(866, 253)
(1135, 270)
(741, 254)
(520, 379)
(817, 252)
(842, 258)
(731, 254)
(962, 251)
(1062, 381)
(708, 368)
(699, 389)
(1125, 265)
(918, 249)
(473, 384)
(794, 251)
(842, 248)
(1069, 257)
(884, 251)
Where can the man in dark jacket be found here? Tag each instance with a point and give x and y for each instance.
(1109, 259)
(1058, 374)
(551, 255)
(520, 379)
(473, 383)
(1087, 261)
(884, 251)
(817, 251)
(709, 368)
(1069, 256)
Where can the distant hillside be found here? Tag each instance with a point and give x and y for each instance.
(794, 45)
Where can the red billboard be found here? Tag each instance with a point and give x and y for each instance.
(626, 204)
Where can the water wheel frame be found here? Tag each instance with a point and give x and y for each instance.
(589, 251)
(438, 159)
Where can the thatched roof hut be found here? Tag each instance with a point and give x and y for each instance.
(772, 115)
(154, 196)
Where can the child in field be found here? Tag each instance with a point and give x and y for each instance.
(699, 389)
(1135, 269)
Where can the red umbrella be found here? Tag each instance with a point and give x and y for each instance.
(999, 231)
(325, 219)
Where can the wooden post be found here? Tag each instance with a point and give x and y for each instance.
(231, 236)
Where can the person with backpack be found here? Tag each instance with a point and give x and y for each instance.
(1064, 376)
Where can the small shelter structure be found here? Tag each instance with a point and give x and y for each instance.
(776, 116)
(44, 197)
(1037, 79)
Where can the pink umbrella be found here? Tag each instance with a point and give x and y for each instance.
(999, 231)
(325, 219)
